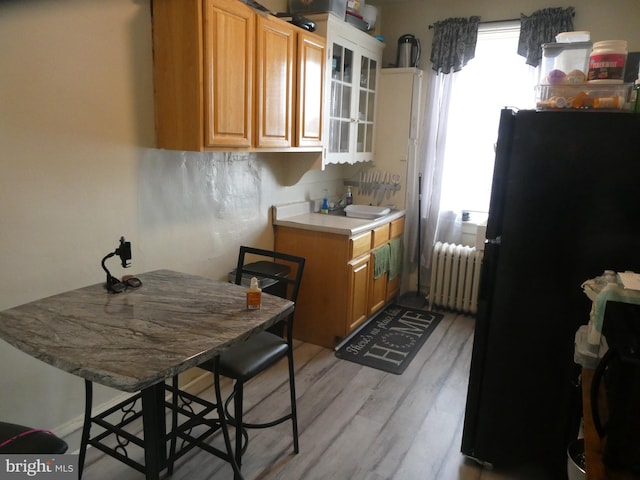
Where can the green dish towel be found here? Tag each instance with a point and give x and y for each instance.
(395, 257)
(381, 261)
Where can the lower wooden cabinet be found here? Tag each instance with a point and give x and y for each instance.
(396, 230)
(338, 291)
(358, 293)
(382, 288)
(378, 289)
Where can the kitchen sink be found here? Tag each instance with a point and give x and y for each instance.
(366, 211)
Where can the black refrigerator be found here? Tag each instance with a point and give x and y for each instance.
(564, 207)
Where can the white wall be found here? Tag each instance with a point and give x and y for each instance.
(78, 170)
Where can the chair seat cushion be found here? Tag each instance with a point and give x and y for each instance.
(247, 359)
(20, 439)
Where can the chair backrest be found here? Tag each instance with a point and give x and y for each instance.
(247, 257)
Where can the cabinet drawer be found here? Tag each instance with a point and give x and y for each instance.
(397, 228)
(359, 245)
(380, 236)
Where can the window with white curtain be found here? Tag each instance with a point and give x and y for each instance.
(495, 78)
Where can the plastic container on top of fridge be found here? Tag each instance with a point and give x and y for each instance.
(584, 96)
(564, 63)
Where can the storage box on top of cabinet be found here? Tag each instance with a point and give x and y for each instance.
(336, 7)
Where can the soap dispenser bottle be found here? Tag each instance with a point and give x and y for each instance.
(349, 199)
(325, 203)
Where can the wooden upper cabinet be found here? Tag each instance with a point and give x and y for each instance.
(228, 73)
(226, 77)
(311, 70)
(177, 74)
(275, 82)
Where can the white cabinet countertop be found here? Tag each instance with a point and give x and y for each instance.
(301, 216)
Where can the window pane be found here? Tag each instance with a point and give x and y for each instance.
(368, 143)
(361, 137)
(344, 136)
(364, 72)
(336, 98)
(348, 61)
(495, 78)
(345, 110)
(336, 64)
(372, 74)
(334, 135)
(370, 105)
(362, 106)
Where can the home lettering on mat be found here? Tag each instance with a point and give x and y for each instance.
(414, 324)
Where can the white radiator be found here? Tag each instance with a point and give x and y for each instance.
(455, 276)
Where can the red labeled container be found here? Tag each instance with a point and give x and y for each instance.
(607, 61)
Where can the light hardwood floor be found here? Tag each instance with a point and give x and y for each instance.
(356, 423)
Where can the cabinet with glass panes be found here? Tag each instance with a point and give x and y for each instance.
(352, 76)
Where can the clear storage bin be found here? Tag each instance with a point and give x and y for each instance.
(336, 7)
(564, 63)
(583, 96)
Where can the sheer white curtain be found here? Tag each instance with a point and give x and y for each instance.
(495, 78)
(430, 166)
(461, 127)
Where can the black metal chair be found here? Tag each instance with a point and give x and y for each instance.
(244, 361)
(27, 440)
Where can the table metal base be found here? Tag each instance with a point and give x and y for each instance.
(150, 405)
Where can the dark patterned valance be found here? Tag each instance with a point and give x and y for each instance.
(542, 27)
(454, 43)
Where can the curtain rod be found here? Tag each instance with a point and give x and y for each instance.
(500, 21)
(492, 21)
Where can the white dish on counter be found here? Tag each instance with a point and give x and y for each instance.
(366, 211)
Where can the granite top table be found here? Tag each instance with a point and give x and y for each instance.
(132, 340)
(135, 340)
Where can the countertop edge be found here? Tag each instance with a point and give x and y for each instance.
(352, 226)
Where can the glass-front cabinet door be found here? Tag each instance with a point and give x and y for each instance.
(351, 77)
(352, 104)
(340, 116)
(366, 108)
